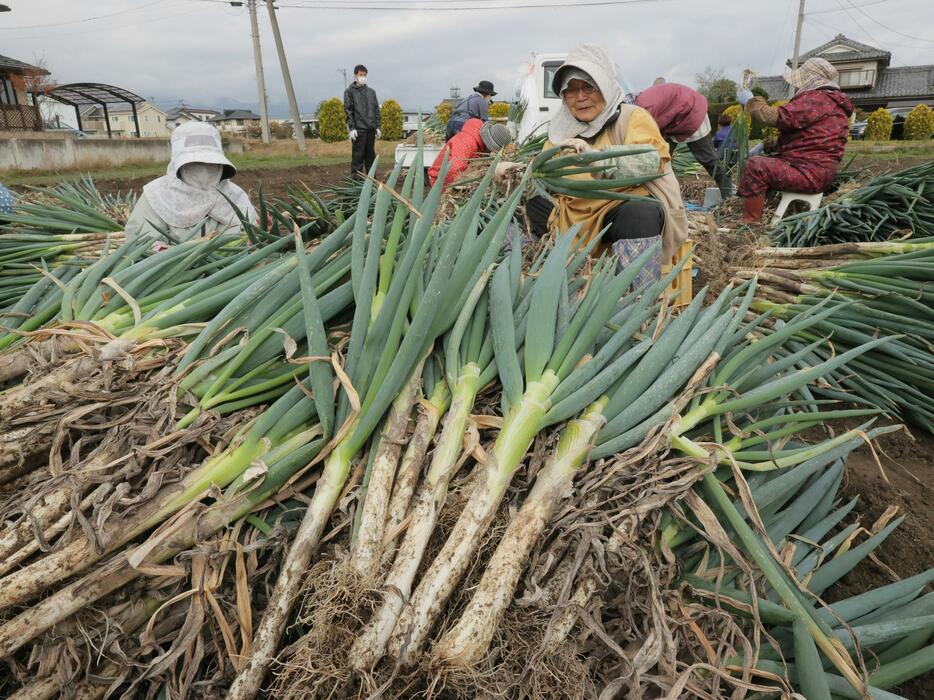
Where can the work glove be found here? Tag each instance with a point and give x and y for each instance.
(744, 96)
(379, 134)
(630, 165)
(506, 169)
(577, 145)
(353, 134)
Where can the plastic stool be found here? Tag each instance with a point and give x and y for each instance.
(813, 201)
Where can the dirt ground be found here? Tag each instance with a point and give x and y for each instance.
(905, 480)
(274, 182)
(904, 474)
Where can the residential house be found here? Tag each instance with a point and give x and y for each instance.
(16, 111)
(410, 119)
(152, 121)
(235, 121)
(183, 113)
(866, 76)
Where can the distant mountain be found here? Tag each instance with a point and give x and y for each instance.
(277, 110)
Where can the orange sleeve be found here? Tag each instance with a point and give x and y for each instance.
(643, 129)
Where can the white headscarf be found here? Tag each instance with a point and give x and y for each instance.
(197, 182)
(594, 62)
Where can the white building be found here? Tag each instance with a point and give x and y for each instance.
(180, 115)
(235, 121)
(410, 119)
(152, 121)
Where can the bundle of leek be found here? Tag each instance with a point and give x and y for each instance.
(882, 292)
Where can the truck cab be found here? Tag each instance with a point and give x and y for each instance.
(538, 104)
(534, 93)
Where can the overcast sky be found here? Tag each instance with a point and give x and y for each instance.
(199, 51)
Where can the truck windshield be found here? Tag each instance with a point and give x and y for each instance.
(550, 69)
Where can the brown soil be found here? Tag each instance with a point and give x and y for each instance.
(908, 483)
(274, 182)
(906, 477)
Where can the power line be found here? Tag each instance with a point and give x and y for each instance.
(781, 34)
(858, 25)
(106, 29)
(884, 26)
(83, 19)
(865, 4)
(819, 24)
(398, 5)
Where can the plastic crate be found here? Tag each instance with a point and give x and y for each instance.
(681, 290)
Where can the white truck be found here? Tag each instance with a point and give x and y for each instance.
(533, 92)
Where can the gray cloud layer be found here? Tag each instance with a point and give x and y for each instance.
(200, 52)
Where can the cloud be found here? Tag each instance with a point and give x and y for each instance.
(201, 51)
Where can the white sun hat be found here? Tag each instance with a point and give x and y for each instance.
(197, 142)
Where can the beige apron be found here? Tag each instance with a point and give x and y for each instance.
(590, 213)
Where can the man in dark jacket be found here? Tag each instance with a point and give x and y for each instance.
(477, 106)
(362, 110)
(812, 133)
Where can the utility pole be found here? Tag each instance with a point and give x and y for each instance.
(794, 58)
(344, 72)
(287, 78)
(260, 80)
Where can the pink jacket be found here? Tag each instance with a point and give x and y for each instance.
(678, 110)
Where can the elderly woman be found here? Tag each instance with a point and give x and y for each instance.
(194, 195)
(593, 116)
(812, 127)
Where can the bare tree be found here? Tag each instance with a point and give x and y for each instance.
(713, 84)
(40, 82)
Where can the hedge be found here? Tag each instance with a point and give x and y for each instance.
(390, 115)
(919, 124)
(499, 110)
(879, 126)
(332, 120)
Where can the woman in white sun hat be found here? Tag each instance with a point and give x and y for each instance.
(194, 196)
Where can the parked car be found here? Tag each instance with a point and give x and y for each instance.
(67, 130)
(858, 130)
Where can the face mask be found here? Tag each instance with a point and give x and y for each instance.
(361, 80)
(204, 176)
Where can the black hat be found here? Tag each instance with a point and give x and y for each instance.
(485, 87)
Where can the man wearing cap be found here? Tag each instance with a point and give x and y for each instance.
(195, 194)
(477, 106)
(363, 122)
(475, 138)
(812, 133)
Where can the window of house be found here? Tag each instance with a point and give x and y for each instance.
(239, 122)
(857, 78)
(7, 92)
